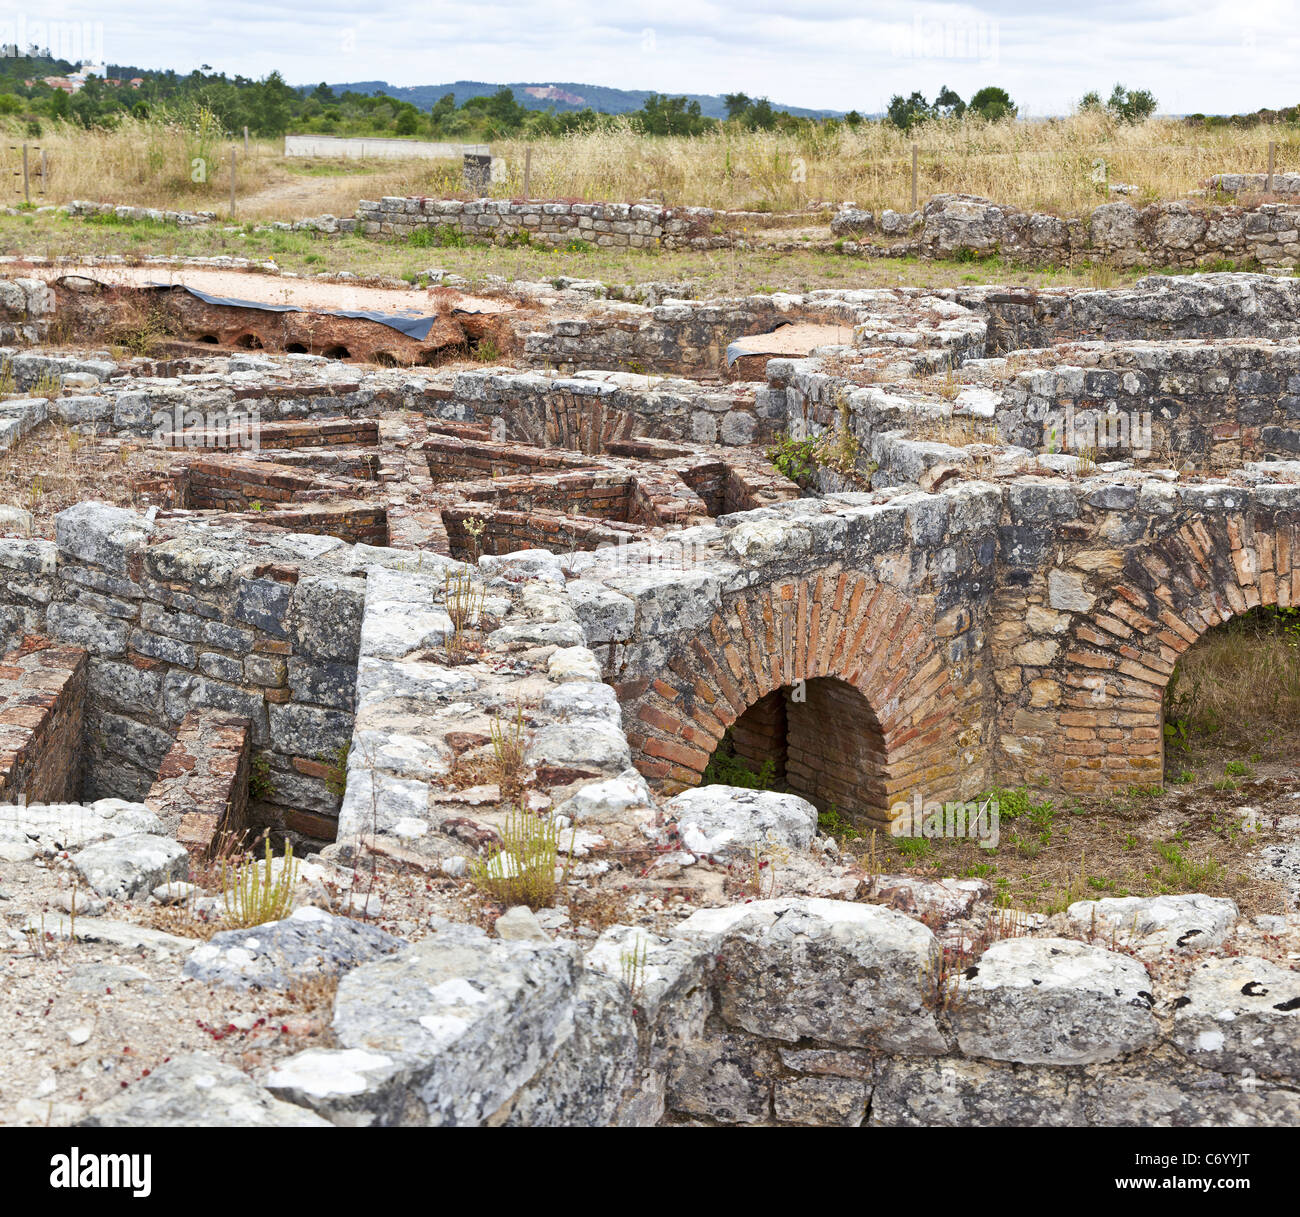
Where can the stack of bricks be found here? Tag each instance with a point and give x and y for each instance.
(232, 483)
(294, 434)
(201, 792)
(42, 708)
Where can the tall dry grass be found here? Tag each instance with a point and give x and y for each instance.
(1242, 678)
(1048, 166)
(184, 163)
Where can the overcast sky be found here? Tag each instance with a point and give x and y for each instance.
(1220, 56)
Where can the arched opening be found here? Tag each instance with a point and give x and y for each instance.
(386, 359)
(209, 338)
(295, 348)
(1233, 700)
(249, 342)
(336, 352)
(817, 738)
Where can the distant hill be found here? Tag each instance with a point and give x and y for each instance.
(554, 95)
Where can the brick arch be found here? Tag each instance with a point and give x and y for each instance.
(1170, 594)
(764, 639)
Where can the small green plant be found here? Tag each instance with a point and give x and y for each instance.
(336, 780)
(464, 606)
(475, 527)
(632, 963)
(260, 785)
(487, 351)
(915, 849)
(8, 386)
(794, 458)
(508, 741)
(1236, 769)
(725, 768)
(1186, 873)
(521, 870)
(254, 894)
(835, 825)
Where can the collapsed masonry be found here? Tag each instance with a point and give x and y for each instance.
(984, 578)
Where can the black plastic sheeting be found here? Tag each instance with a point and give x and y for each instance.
(413, 327)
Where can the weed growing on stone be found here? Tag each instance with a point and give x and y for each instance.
(254, 894)
(508, 741)
(521, 870)
(632, 963)
(793, 457)
(48, 384)
(260, 785)
(464, 605)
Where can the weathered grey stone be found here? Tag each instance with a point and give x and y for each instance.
(951, 1092)
(280, 954)
(725, 1076)
(198, 1091)
(1053, 1001)
(99, 533)
(432, 1019)
(71, 825)
(734, 821)
(125, 866)
(1163, 923)
(1241, 1014)
(583, 1084)
(520, 924)
(828, 970)
(828, 1101)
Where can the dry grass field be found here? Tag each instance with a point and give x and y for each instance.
(1052, 165)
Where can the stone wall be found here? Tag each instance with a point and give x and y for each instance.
(816, 1012)
(178, 616)
(606, 225)
(590, 411)
(43, 697)
(202, 788)
(1160, 235)
(997, 632)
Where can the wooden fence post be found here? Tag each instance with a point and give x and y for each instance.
(232, 181)
(528, 170)
(913, 177)
(27, 187)
(1272, 150)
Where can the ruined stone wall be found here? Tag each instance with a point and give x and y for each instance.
(178, 616)
(201, 792)
(995, 631)
(1162, 234)
(1157, 308)
(588, 413)
(607, 225)
(43, 696)
(1216, 405)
